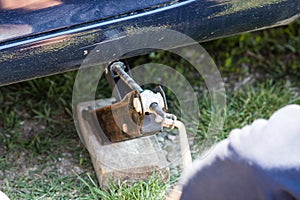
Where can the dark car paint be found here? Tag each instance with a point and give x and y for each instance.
(67, 13)
(59, 40)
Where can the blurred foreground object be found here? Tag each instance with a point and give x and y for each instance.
(259, 161)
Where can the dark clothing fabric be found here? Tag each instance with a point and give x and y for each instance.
(261, 161)
(236, 179)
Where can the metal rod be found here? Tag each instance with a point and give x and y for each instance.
(119, 70)
(157, 110)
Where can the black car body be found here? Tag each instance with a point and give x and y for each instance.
(43, 37)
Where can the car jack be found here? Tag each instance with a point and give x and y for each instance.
(120, 132)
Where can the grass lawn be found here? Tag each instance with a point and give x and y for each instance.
(41, 156)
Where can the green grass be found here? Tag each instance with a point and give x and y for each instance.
(41, 156)
(152, 189)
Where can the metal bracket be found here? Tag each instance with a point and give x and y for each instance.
(130, 116)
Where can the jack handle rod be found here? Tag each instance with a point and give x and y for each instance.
(118, 68)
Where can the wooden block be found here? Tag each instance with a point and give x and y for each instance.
(134, 159)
